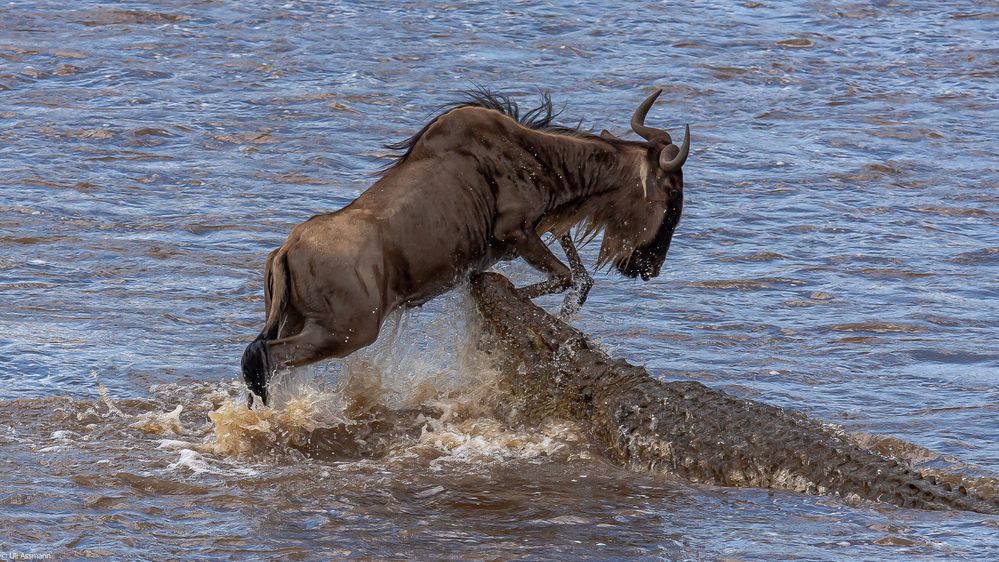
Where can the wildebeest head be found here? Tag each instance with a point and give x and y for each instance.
(637, 241)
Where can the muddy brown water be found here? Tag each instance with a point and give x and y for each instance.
(838, 255)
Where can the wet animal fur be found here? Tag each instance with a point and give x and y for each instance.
(478, 184)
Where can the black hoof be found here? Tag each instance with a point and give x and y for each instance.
(256, 369)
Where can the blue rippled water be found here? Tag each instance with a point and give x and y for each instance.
(839, 251)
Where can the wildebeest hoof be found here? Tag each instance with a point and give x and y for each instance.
(256, 370)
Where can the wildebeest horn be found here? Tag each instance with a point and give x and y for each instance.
(608, 135)
(677, 161)
(638, 121)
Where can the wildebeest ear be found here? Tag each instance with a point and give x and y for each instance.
(607, 135)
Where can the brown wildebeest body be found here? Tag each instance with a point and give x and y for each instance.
(476, 186)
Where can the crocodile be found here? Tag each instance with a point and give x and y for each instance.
(685, 428)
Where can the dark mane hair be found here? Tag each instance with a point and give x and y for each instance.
(540, 118)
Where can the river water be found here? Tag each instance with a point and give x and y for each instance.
(838, 255)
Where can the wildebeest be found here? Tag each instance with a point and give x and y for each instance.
(478, 184)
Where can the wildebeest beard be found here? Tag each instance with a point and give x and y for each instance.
(647, 259)
(479, 183)
(634, 232)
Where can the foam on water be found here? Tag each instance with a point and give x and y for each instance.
(488, 440)
(423, 390)
(161, 423)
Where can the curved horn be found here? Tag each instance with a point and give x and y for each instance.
(677, 161)
(638, 120)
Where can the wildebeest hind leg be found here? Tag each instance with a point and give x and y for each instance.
(318, 341)
(257, 364)
(263, 357)
(307, 346)
(313, 343)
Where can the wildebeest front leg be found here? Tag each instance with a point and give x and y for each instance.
(581, 280)
(534, 251)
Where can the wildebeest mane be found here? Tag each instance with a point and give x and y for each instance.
(540, 118)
